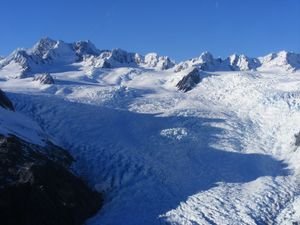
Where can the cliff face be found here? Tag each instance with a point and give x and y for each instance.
(189, 81)
(37, 187)
(5, 102)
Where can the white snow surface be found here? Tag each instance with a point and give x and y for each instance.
(15, 123)
(222, 153)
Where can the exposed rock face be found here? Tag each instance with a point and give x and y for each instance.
(37, 188)
(189, 81)
(297, 139)
(85, 48)
(5, 102)
(44, 78)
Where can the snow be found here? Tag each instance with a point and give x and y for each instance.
(12, 70)
(222, 153)
(177, 133)
(282, 60)
(14, 123)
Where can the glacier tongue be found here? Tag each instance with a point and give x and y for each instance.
(220, 153)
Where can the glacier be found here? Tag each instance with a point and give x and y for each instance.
(222, 152)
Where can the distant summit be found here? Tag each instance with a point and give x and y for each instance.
(283, 59)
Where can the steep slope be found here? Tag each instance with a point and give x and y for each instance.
(36, 184)
(16, 124)
(282, 60)
(189, 81)
(5, 102)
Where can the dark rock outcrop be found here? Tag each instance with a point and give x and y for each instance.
(44, 78)
(189, 81)
(37, 187)
(5, 102)
(85, 48)
(297, 139)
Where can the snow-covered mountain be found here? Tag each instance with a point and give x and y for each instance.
(44, 54)
(48, 54)
(204, 141)
(121, 58)
(207, 62)
(281, 60)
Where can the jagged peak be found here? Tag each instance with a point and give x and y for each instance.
(207, 62)
(86, 48)
(206, 57)
(151, 55)
(123, 56)
(242, 62)
(43, 45)
(161, 62)
(118, 57)
(283, 59)
(46, 40)
(151, 59)
(234, 57)
(280, 54)
(18, 51)
(19, 55)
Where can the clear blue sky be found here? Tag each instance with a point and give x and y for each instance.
(180, 28)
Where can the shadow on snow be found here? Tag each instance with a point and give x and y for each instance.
(143, 173)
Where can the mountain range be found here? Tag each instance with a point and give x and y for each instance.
(49, 53)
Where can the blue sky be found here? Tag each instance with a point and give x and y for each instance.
(180, 28)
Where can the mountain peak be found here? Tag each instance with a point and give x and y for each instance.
(161, 62)
(282, 59)
(86, 48)
(43, 45)
(206, 57)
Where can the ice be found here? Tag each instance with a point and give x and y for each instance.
(222, 153)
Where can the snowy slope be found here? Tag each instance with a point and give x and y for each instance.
(222, 153)
(282, 60)
(16, 124)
